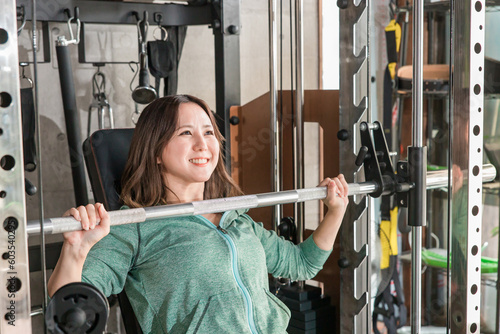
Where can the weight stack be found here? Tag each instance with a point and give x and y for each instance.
(311, 312)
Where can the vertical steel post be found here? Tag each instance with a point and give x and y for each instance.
(354, 235)
(41, 213)
(298, 142)
(418, 61)
(468, 28)
(274, 123)
(417, 163)
(15, 301)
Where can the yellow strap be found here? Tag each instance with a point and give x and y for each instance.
(394, 230)
(389, 238)
(392, 70)
(394, 26)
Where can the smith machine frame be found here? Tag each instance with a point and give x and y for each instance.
(466, 98)
(467, 101)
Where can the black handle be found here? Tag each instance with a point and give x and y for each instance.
(362, 155)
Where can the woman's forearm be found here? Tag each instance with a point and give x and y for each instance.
(68, 268)
(77, 244)
(326, 233)
(336, 200)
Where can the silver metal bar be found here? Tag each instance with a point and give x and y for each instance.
(100, 112)
(418, 61)
(41, 214)
(439, 179)
(416, 275)
(273, 94)
(417, 103)
(299, 122)
(371, 126)
(139, 215)
(37, 310)
(14, 272)
(111, 118)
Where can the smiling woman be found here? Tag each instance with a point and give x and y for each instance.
(190, 156)
(204, 273)
(167, 135)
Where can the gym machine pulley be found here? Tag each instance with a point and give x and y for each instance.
(380, 180)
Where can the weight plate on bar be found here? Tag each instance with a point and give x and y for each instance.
(77, 308)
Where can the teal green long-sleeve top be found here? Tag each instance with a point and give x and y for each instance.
(185, 275)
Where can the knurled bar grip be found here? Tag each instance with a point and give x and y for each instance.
(435, 179)
(67, 224)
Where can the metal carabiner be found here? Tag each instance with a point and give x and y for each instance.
(99, 102)
(142, 38)
(74, 40)
(96, 87)
(61, 40)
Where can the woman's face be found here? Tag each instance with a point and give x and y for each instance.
(192, 153)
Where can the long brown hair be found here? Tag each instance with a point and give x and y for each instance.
(142, 180)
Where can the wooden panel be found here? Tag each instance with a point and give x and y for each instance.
(252, 161)
(235, 111)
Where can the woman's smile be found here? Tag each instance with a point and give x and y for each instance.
(199, 161)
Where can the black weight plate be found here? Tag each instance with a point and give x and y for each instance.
(77, 308)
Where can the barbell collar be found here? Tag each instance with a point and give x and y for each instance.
(435, 179)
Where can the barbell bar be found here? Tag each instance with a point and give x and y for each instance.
(435, 179)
